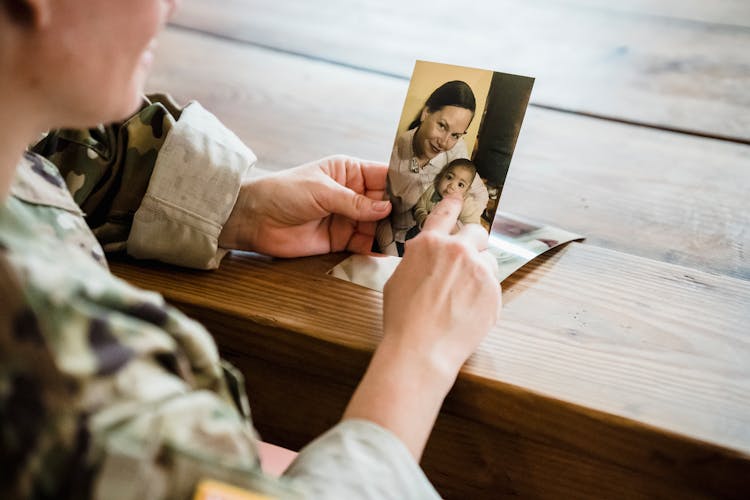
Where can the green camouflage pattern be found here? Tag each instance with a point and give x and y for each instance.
(107, 169)
(105, 391)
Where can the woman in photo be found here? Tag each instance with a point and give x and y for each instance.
(433, 139)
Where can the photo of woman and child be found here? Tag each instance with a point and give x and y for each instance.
(456, 137)
(431, 156)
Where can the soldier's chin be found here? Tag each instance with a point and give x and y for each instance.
(116, 107)
(129, 102)
(135, 104)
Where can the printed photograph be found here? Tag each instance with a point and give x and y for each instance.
(457, 133)
(514, 241)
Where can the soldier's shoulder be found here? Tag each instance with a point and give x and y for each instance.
(38, 181)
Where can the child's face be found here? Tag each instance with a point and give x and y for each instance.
(456, 180)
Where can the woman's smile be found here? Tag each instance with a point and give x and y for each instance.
(440, 130)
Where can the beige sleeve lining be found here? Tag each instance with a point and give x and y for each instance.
(191, 193)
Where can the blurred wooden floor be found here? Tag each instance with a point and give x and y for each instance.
(622, 367)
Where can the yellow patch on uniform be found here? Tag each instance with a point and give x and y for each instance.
(214, 490)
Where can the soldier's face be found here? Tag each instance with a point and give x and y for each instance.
(98, 54)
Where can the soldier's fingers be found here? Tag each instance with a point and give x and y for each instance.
(474, 235)
(444, 215)
(490, 262)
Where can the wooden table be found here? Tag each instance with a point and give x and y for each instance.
(621, 367)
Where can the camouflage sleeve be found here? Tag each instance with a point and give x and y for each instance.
(113, 395)
(358, 459)
(159, 185)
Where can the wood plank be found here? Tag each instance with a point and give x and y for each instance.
(666, 65)
(655, 194)
(636, 367)
(730, 12)
(466, 459)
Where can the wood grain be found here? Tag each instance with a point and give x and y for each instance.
(467, 459)
(640, 373)
(680, 66)
(655, 194)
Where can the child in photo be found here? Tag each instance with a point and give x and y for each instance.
(456, 177)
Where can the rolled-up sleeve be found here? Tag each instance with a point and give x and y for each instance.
(358, 459)
(191, 193)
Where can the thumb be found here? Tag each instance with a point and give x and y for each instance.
(341, 200)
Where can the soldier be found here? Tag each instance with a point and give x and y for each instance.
(107, 392)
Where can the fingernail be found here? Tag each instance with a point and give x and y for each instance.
(381, 205)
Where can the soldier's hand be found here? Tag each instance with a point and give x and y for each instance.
(439, 304)
(326, 206)
(444, 296)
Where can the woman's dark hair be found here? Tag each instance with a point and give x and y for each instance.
(454, 93)
(18, 11)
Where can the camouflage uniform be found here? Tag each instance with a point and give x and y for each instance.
(105, 391)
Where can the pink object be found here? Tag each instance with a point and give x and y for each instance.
(274, 459)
